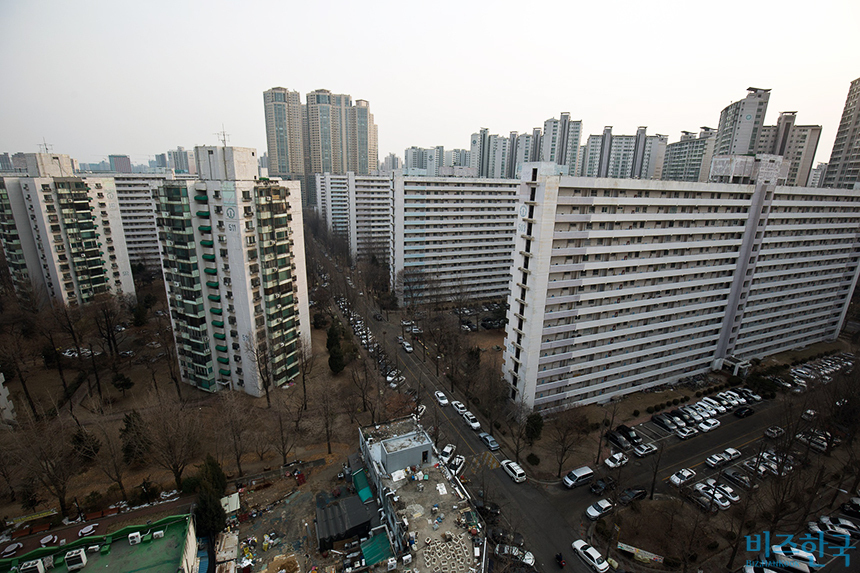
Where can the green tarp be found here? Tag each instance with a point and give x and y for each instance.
(359, 480)
(376, 549)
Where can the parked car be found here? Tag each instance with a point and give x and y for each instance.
(602, 485)
(716, 460)
(514, 470)
(681, 477)
(618, 440)
(679, 420)
(447, 453)
(515, 554)
(774, 432)
(630, 434)
(598, 509)
(628, 496)
(406, 346)
(740, 479)
(457, 464)
(744, 412)
(809, 415)
(616, 460)
(732, 454)
(850, 509)
(664, 422)
(471, 420)
(458, 407)
(488, 441)
(793, 553)
(643, 450)
(590, 556)
(709, 425)
(489, 511)
(829, 532)
(714, 495)
(685, 433)
(852, 528)
(724, 489)
(441, 398)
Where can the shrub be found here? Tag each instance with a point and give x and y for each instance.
(698, 394)
(497, 425)
(190, 484)
(685, 399)
(93, 500)
(594, 426)
(606, 422)
(692, 557)
(635, 413)
(532, 459)
(650, 409)
(675, 402)
(713, 545)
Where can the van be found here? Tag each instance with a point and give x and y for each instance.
(578, 477)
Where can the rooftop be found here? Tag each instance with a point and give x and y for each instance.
(114, 554)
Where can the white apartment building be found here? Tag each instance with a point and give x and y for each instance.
(498, 157)
(63, 235)
(741, 122)
(234, 270)
(357, 207)
(623, 284)
(452, 238)
(560, 142)
(794, 143)
(637, 156)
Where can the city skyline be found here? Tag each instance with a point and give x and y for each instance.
(91, 121)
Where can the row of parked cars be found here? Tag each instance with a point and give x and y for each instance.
(687, 421)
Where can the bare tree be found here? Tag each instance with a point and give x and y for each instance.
(18, 353)
(260, 442)
(307, 357)
(110, 459)
(175, 435)
(49, 456)
(325, 411)
(234, 419)
(164, 337)
(9, 464)
(106, 313)
(364, 384)
(258, 350)
(288, 410)
(517, 423)
(565, 432)
(71, 321)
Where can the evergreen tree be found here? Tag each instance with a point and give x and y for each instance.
(209, 514)
(122, 382)
(135, 442)
(336, 362)
(212, 476)
(333, 336)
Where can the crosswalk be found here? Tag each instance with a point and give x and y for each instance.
(484, 459)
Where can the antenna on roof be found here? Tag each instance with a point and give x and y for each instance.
(46, 147)
(223, 136)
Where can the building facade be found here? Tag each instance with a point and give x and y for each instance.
(637, 156)
(620, 285)
(560, 142)
(284, 137)
(120, 163)
(234, 270)
(843, 169)
(740, 124)
(62, 235)
(452, 238)
(792, 142)
(690, 158)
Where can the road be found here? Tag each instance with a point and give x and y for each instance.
(548, 515)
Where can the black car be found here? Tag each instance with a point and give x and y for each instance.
(850, 509)
(664, 422)
(688, 419)
(628, 496)
(744, 412)
(488, 510)
(617, 440)
(679, 420)
(377, 316)
(602, 485)
(630, 434)
(499, 535)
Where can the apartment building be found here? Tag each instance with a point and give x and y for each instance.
(63, 235)
(741, 122)
(358, 208)
(620, 285)
(794, 143)
(843, 169)
(234, 269)
(637, 156)
(452, 238)
(690, 158)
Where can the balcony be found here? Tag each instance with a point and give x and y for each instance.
(218, 323)
(218, 311)
(223, 372)
(212, 284)
(221, 348)
(205, 228)
(203, 214)
(206, 243)
(214, 297)
(210, 271)
(201, 198)
(208, 257)
(223, 360)
(220, 336)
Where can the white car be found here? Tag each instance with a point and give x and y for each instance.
(457, 464)
(794, 553)
(447, 453)
(471, 420)
(458, 407)
(406, 346)
(841, 522)
(685, 433)
(716, 460)
(598, 509)
(441, 398)
(643, 450)
(681, 477)
(514, 470)
(732, 454)
(590, 555)
(616, 460)
(708, 425)
(724, 489)
(714, 495)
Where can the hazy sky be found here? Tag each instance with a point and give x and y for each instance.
(111, 76)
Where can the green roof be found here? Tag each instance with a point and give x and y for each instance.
(359, 480)
(150, 556)
(376, 549)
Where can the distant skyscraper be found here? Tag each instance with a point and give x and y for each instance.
(740, 124)
(391, 162)
(690, 158)
(560, 142)
(5, 162)
(161, 161)
(843, 170)
(182, 161)
(637, 156)
(286, 148)
(816, 176)
(479, 151)
(794, 143)
(498, 156)
(523, 151)
(424, 160)
(457, 158)
(120, 163)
